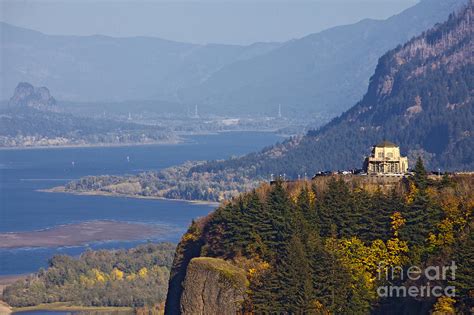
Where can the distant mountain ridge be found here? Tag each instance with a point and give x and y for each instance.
(327, 71)
(323, 72)
(90, 68)
(420, 97)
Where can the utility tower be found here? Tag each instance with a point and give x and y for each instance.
(196, 114)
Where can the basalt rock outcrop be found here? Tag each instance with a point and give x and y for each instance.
(212, 286)
(203, 285)
(26, 95)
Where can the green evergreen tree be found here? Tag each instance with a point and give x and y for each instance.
(334, 211)
(294, 269)
(219, 235)
(361, 217)
(464, 276)
(305, 206)
(421, 218)
(260, 222)
(331, 280)
(304, 216)
(280, 217)
(420, 178)
(264, 294)
(381, 208)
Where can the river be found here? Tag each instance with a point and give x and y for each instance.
(23, 208)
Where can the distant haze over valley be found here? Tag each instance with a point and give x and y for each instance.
(196, 21)
(324, 72)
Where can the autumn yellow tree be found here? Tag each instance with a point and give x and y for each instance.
(444, 306)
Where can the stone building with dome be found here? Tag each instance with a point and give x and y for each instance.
(386, 159)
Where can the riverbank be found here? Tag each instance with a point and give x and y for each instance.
(5, 309)
(67, 307)
(179, 140)
(82, 233)
(9, 279)
(5, 281)
(63, 190)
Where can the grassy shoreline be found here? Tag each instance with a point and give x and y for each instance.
(65, 306)
(62, 190)
(180, 139)
(99, 145)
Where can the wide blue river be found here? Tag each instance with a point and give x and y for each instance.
(23, 172)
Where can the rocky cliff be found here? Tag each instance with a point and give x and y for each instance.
(212, 286)
(447, 46)
(189, 248)
(203, 285)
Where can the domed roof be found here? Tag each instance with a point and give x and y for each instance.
(386, 144)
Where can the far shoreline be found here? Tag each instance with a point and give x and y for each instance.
(180, 139)
(62, 190)
(79, 146)
(70, 307)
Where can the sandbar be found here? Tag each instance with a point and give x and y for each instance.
(83, 233)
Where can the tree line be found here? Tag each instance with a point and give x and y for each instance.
(136, 277)
(316, 247)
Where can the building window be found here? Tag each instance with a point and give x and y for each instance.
(390, 155)
(380, 155)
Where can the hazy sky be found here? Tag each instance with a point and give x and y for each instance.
(198, 21)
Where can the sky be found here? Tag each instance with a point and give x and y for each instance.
(195, 21)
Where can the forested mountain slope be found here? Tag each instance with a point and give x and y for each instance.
(420, 97)
(323, 247)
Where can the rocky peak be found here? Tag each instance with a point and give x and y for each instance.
(26, 95)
